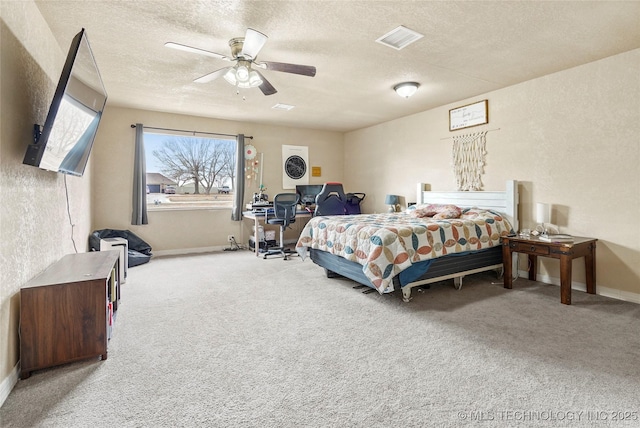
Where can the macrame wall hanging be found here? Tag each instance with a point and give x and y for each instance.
(468, 160)
(252, 166)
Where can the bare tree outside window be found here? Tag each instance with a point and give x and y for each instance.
(192, 170)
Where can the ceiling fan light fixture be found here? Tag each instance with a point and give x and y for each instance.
(243, 77)
(244, 51)
(254, 79)
(230, 76)
(242, 73)
(406, 89)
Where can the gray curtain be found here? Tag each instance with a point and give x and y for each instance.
(238, 186)
(139, 213)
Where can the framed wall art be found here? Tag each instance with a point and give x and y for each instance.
(470, 115)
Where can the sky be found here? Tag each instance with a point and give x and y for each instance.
(153, 141)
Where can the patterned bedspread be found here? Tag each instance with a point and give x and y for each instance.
(386, 244)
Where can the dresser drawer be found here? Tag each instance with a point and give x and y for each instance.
(529, 248)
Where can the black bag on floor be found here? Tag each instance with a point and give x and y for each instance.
(139, 251)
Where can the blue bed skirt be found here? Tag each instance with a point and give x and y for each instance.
(428, 269)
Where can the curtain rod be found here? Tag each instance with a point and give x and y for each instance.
(192, 132)
(488, 130)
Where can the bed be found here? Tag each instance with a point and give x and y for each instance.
(400, 251)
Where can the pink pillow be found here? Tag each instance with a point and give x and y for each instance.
(437, 211)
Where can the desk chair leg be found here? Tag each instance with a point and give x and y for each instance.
(279, 250)
(286, 251)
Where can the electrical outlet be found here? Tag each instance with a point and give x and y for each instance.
(230, 238)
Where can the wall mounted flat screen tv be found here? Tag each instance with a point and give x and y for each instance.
(64, 142)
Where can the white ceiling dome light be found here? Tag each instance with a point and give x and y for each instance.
(406, 89)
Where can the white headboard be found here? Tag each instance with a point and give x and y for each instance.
(505, 202)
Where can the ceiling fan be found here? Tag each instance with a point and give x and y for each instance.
(244, 51)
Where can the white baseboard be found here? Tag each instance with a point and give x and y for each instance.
(183, 251)
(627, 296)
(8, 383)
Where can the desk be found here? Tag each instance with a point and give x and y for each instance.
(565, 251)
(258, 217)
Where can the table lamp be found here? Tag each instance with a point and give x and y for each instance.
(392, 201)
(543, 215)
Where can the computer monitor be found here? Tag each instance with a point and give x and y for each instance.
(308, 193)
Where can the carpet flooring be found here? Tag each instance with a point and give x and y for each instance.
(230, 340)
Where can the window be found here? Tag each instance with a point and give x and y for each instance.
(188, 172)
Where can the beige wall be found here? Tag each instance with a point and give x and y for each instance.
(572, 139)
(35, 230)
(181, 231)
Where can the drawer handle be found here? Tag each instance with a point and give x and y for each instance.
(533, 248)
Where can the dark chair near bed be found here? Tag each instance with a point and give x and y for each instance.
(331, 200)
(284, 214)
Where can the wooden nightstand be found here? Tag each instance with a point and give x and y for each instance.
(565, 251)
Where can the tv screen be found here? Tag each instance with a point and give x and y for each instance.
(308, 193)
(65, 141)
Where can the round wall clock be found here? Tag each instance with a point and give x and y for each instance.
(295, 167)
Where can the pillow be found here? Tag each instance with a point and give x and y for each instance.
(448, 213)
(437, 211)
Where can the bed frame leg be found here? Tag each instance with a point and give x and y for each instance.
(330, 273)
(406, 294)
(457, 282)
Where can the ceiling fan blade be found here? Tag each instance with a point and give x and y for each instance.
(212, 76)
(266, 87)
(304, 70)
(253, 42)
(196, 50)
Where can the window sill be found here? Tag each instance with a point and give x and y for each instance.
(166, 207)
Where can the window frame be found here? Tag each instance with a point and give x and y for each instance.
(153, 141)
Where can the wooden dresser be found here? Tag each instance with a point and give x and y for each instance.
(66, 312)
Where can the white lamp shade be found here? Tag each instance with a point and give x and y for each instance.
(254, 79)
(230, 76)
(242, 77)
(242, 73)
(543, 212)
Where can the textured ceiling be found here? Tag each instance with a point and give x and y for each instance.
(468, 48)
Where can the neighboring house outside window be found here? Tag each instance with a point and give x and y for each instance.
(185, 172)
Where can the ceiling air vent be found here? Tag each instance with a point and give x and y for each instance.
(399, 38)
(281, 106)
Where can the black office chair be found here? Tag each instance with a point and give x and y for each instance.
(284, 213)
(331, 200)
(353, 202)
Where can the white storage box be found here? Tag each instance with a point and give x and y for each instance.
(121, 244)
(260, 233)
